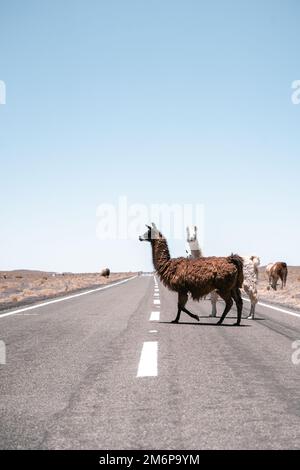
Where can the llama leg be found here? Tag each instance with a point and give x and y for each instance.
(271, 281)
(178, 314)
(274, 281)
(252, 310)
(179, 305)
(253, 306)
(214, 300)
(196, 317)
(250, 294)
(254, 301)
(248, 291)
(251, 314)
(226, 296)
(182, 300)
(236, 294)
(285, 277)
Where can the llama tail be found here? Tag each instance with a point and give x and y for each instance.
(238, 262)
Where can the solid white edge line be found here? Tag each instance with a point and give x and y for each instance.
(148, 360)
(61, 299)
(278, 309)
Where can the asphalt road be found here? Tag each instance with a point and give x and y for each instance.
(78, 375)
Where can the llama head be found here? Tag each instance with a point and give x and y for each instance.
(191, 234)
(152, 234)
(255, 260)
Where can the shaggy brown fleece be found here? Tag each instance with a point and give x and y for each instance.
(197, 276)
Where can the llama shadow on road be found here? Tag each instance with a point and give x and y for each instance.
(231, 318)
(204, 324)
(256, 319)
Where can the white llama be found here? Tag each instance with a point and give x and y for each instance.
(193, 248)
(250, 271)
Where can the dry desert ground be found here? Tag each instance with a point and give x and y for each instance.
(24, 287)
(289, 296)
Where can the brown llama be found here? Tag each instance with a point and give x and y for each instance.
(198, 277)
(278, 271)
(105, 272)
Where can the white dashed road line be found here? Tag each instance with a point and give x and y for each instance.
(154, 316)
(148, 360)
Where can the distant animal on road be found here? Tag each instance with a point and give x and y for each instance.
(196, 276)
(276, 271)
(105, 272)
(250, 270)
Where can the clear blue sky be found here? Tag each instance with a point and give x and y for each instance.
(161, 101)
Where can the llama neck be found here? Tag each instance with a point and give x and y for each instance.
(160, 254)
(195, 249)
(196, 254)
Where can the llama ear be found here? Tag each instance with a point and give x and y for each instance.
(148, 226)
(154, 226)
(195, 227)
